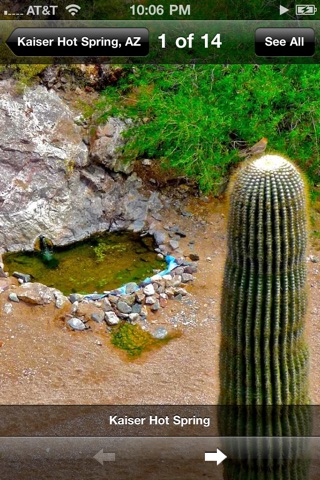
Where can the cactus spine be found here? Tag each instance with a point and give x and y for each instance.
(263, 357)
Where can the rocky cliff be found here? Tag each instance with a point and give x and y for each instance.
(52, 182)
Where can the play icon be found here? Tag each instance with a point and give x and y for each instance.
(283, 10)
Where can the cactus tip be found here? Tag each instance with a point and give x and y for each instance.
(270, 163)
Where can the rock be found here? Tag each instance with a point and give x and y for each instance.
(52, 183)
(160, 237)
(163, 302)
(75, 297)
(159, 283)
(160, 333)
(86, 310)
(123, 307)
(106, 305)
(140, 296)
(170, 292)
(155, 306)
(113, 299)
(167, 277)
(313, 259)
(187, 277)
(92, 297)
(13, 297)
(161, 288)
(177, 271)
(168, 280)
(151, 300)
(98, 317)
(174, 244)
(194, 257)
(60, 299)
(74, 308)
(3, 274)
(176, 280)
(144, 312)
(191, 269)
(181, 291)
(180, 232)
(128, 299)
(92, 76)
(149, 289)
(136, 308)
(76, 324)
(107, 145)
(134, 317)
(156, 278)
(4, 284)
(131, 287)
(184, 213)
(182, 262)
(7, 308)
(157, 216)
(146, 162)
(174, 236)
(209, 259)
(25, 277)
(111, 318)
(35, 293)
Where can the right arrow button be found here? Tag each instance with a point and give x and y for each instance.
(217, 456)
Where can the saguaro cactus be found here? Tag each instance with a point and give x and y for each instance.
(263, 356)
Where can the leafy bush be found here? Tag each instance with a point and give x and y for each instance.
(195, 118)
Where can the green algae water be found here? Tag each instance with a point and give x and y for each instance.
(103, 262)
(135, 341)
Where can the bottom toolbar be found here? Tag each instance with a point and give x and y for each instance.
(136, 458)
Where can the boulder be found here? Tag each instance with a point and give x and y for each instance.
(111, 318)
(4, 284)
(98, 317)
(51, 183)
(123, 307)
(76, 324)
(35, 293)
(105, 147)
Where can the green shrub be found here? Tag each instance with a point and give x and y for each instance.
(197, 117)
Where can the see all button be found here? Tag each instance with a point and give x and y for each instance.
(285, 42)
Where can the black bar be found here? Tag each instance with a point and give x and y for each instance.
(172, 420)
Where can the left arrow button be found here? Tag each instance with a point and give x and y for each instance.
(102, 457)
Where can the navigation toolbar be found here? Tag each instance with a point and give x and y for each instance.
(156, 41)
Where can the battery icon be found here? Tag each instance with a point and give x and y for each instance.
(305, 9)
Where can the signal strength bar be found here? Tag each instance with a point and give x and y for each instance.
(7, 13)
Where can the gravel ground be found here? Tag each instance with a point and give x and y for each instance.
(43, 363)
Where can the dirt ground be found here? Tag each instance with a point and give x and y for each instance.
(41, 362)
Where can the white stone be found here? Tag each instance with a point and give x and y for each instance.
(7, 308)
(111, 318)
(149, 289)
